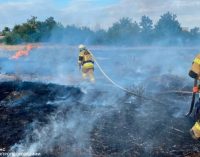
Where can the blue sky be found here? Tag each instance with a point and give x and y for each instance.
(62, 3)
(97, 13)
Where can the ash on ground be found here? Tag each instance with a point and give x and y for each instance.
(58, 121)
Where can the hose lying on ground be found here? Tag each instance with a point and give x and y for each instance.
(175, 92)
(120, 87)
(135, 94)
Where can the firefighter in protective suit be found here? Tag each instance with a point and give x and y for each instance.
(86, 63)
(195, 74)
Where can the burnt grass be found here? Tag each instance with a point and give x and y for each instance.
(25, 102)
(137, 128)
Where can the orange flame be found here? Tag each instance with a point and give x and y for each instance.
(21, 53)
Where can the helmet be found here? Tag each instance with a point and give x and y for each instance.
(82, 47)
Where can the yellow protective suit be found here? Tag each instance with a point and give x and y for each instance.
(86, 62)
(195, 69)
(195, 73)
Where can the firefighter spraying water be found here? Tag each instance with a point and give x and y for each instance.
(86, 63)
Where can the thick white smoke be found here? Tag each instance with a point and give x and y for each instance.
(130, 68)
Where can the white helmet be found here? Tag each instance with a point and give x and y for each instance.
(82, 47)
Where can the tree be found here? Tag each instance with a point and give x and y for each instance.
(146, 25)
(50, 23)
(195, 31)
(124, 31)
(5, 31)
(12, 38)
(100, 37)
(168, 26)
(33, 22)
(195, 35)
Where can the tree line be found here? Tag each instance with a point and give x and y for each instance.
(167, 31)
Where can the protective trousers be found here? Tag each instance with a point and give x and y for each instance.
(195, 130)
(88, 73)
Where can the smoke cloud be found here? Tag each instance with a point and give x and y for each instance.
(144, 70)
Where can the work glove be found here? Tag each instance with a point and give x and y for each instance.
(195, 89)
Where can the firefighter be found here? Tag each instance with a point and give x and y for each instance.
(195, 74)
(86, 63)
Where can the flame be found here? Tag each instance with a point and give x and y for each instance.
(21, 53)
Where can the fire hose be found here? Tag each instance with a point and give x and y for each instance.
(193, 99)
(119, 86)
(144, 97)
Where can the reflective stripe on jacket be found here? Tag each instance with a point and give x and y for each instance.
(196, 66)
(85, 57)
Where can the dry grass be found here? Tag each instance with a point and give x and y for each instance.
(15, 47)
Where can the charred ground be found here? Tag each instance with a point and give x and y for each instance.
(25, 102)
(134, 128)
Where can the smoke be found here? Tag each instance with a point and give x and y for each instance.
(44, 64)
(70, 130)
(65, 133)
(106, 119)
(126, 66)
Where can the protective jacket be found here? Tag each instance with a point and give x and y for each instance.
(195, 69)
(86, 60)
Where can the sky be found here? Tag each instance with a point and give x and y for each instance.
(97, 13)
